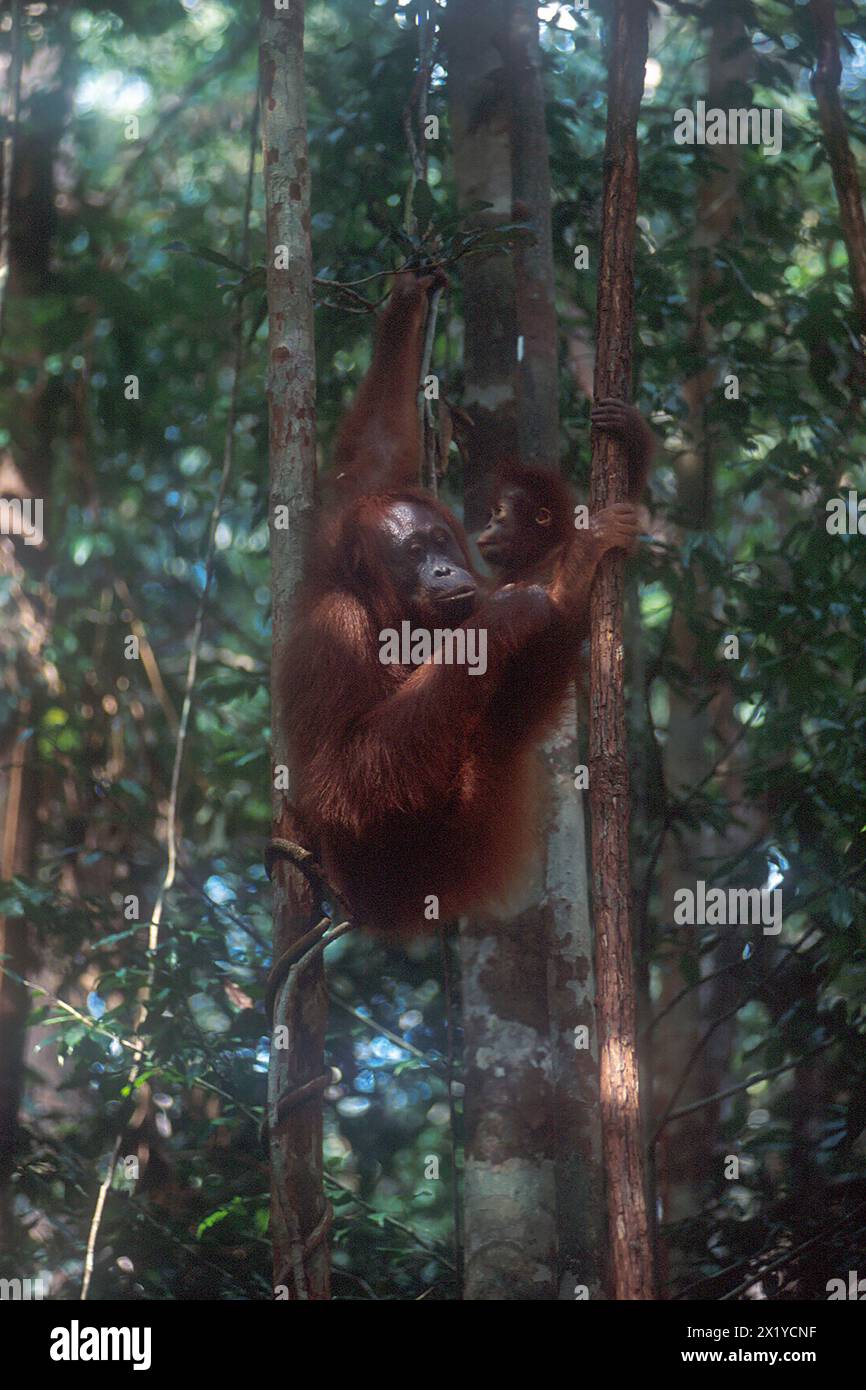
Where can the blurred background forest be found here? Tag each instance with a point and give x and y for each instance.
(746, 772)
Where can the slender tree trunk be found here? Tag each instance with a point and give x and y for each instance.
(510, 1198)
(631, 1275)
(36, 106)
(18, 820)
(825, 84)
(564, 907)
(538, 356)
(534, 1200)
(298, 1208)
(7, 152)
(482, 173)
(580, 1202)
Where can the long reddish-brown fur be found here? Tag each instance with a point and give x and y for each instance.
(413, 782)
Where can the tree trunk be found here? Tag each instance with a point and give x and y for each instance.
(36, 105)
(825, 85)
(510, 1198)
(538, 364)
(18, 820)
(564, 908)
(482, 173)
(533, 1173)
(630, 1263)
(298, 1208)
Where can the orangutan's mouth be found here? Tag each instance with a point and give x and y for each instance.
(461, 596)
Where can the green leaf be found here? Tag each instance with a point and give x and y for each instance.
(205, 253)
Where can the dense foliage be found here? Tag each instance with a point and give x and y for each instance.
(133, 288)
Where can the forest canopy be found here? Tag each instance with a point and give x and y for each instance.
(133, 368)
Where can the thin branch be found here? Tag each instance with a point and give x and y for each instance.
(148, 656)
(92, 1023)
(425, 407)
(785, 1259)
(744, 1085)
(831, 1230)
(431, 1247)
(417, 106)
(141, 1212)
(699, 1046)
(96, 1027)
(375, 1027)
(675, 806)
(741, 1002)
(799, 905)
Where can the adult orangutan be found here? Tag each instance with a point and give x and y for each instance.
(414, 782)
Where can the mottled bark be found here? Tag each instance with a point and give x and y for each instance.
(630, 1273)
(509, 1190)
(564, 901)
(479, 113)
(298, 1206)
(537, 378)
(510, 1230)
(533, 1171)
(580, 1211)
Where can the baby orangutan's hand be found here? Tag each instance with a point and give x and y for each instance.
(616, 527)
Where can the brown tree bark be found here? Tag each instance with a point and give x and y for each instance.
(825, 84)
(298, 1208)
(630, 1274)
